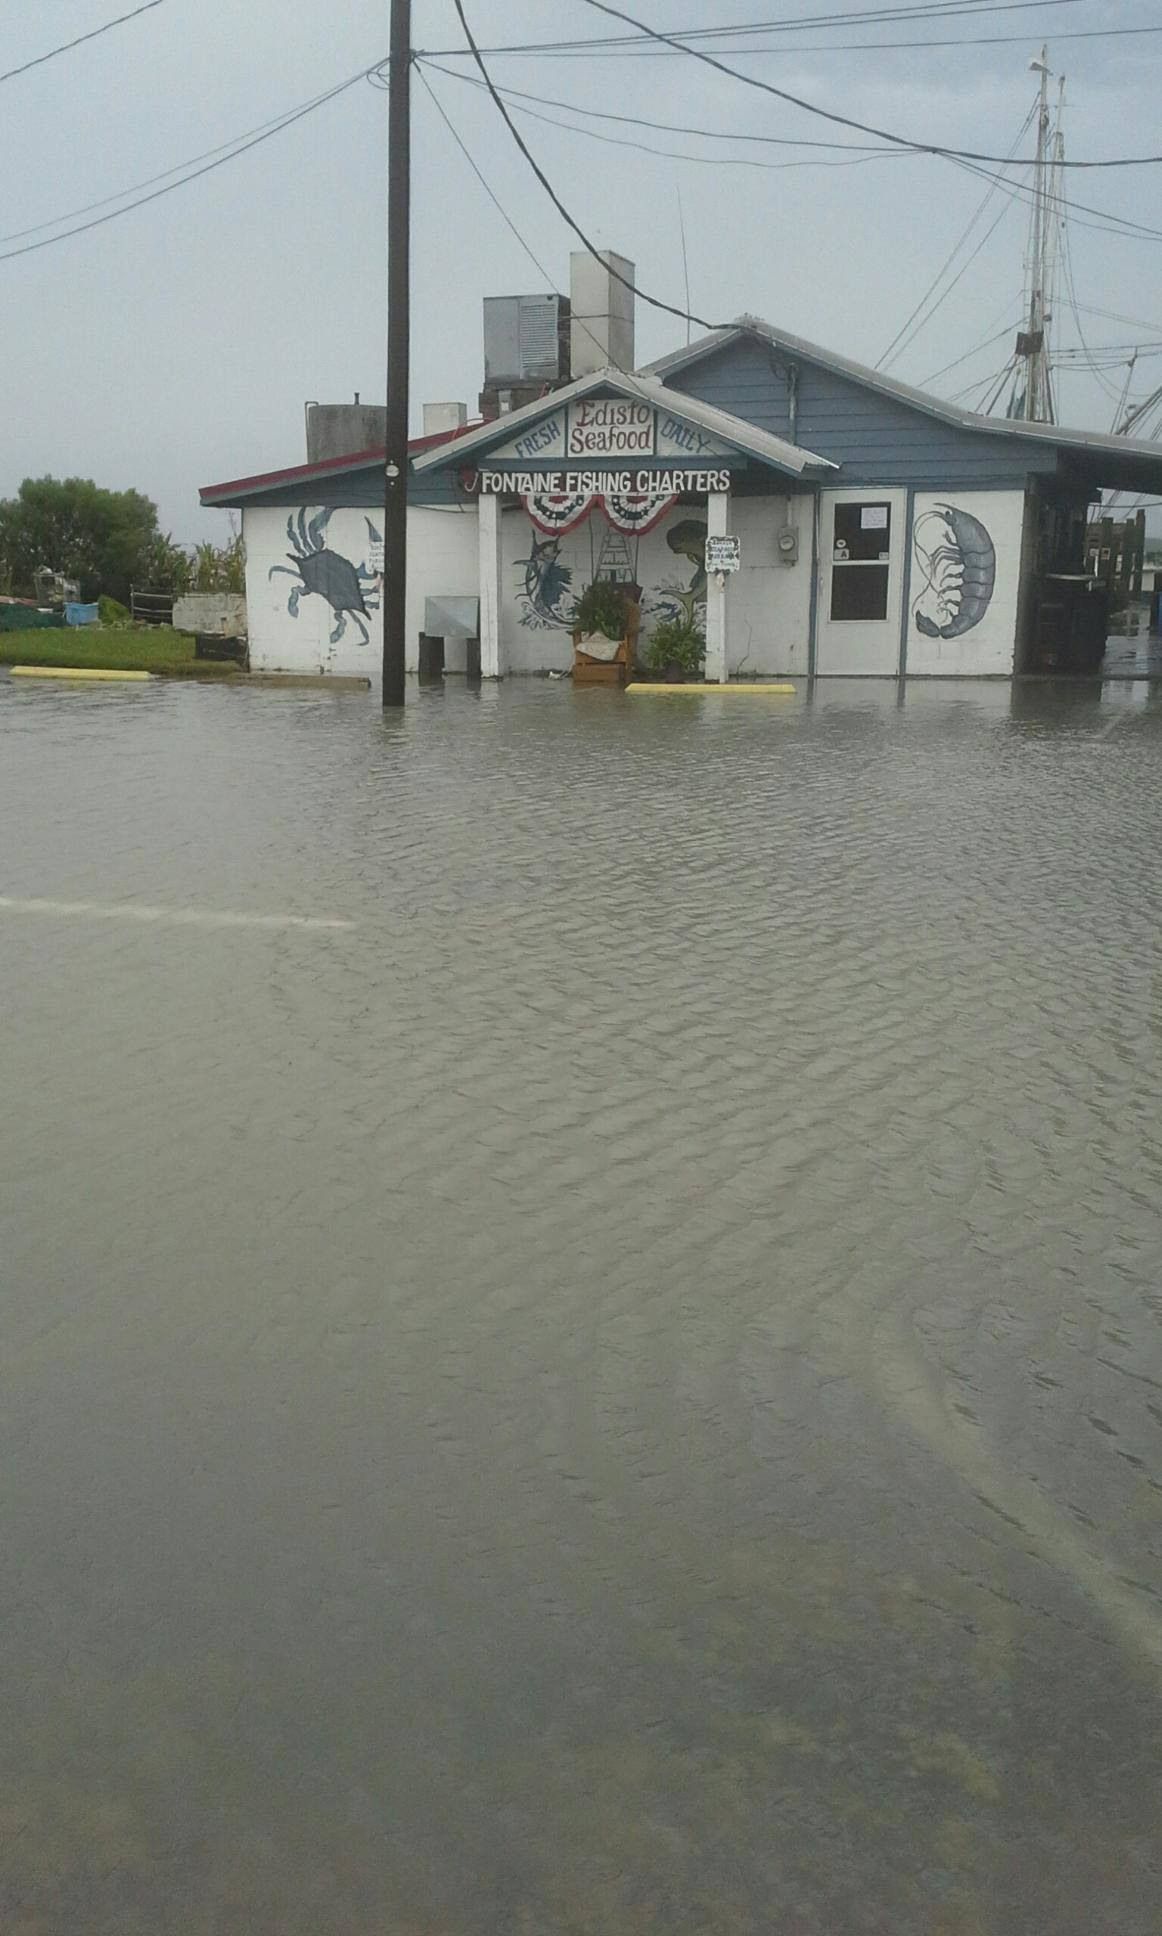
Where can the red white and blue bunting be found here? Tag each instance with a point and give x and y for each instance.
(637, 511)
(558, 512)
(630, 511)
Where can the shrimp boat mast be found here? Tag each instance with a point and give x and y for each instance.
(1028, 377)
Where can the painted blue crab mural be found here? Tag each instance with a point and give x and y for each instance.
(956, 563)
(350, 590)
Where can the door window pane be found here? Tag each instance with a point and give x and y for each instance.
(859, 591)
(863, 533)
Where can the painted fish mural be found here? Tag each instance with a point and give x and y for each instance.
(545, 597)
(545, 593)
(687, 539)
(346, 587)
(956, 562)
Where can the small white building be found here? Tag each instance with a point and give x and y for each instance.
(882, 531)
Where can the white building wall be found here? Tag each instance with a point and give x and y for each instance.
(768, 611)
(769, 603)
(961, 540)
(442, 558)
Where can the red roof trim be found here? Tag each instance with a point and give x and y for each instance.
(356, 460)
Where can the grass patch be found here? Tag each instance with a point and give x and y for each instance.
(156, 648)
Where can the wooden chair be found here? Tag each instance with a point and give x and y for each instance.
(615, 671)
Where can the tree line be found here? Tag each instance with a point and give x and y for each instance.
(110, 542)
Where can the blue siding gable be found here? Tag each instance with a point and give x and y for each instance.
(877, 439)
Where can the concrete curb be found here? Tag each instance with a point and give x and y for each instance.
(770, 687)
(72, 672)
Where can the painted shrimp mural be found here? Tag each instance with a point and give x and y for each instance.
(956, 570)
(350, 590)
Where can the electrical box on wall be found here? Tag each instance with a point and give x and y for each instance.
(788, 545)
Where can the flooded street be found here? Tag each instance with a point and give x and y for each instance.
(580, 1328)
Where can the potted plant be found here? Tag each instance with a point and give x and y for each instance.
(605, 626)
(675, 651)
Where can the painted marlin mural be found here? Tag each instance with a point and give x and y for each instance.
(328, 574)
(545, 595)
(956, 563)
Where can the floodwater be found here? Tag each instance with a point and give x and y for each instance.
(618, 1387)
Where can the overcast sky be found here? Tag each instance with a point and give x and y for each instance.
(176, 345)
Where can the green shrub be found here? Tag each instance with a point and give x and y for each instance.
(112, 613)
(601, 608)
(675, 645)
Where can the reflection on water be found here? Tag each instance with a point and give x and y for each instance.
(622, 1393)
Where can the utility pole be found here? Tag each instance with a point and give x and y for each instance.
(398, 304)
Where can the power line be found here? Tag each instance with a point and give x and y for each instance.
(496, 201)
(1125, 225)
(1071, 292)
(956, 362)
(1127, 232)
(190, 162)
(1127, 228)
(1111, 316)
(676, 154)
(971, 389)
(608, 50)
(659, 127)
(842, 120)
(93, 34)
(241, 148)
(641, 42)
(1114, 353)
(888, 358)
(655, 302)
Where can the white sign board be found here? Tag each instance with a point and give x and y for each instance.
(723, 554)
(609, 427)
(612, 427)
(653, 482)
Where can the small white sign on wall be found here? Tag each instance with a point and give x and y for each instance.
(723, 554)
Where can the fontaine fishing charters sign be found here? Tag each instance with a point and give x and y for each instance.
(658, 454)
(653, 482)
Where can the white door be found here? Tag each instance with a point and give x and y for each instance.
(861, 578)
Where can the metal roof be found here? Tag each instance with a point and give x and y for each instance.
(235, 489)
(646, 389)
(1093, 442)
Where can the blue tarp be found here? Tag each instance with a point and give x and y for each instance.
(82, 614)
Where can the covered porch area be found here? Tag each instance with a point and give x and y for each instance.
(609, 482)
(1081, 609)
